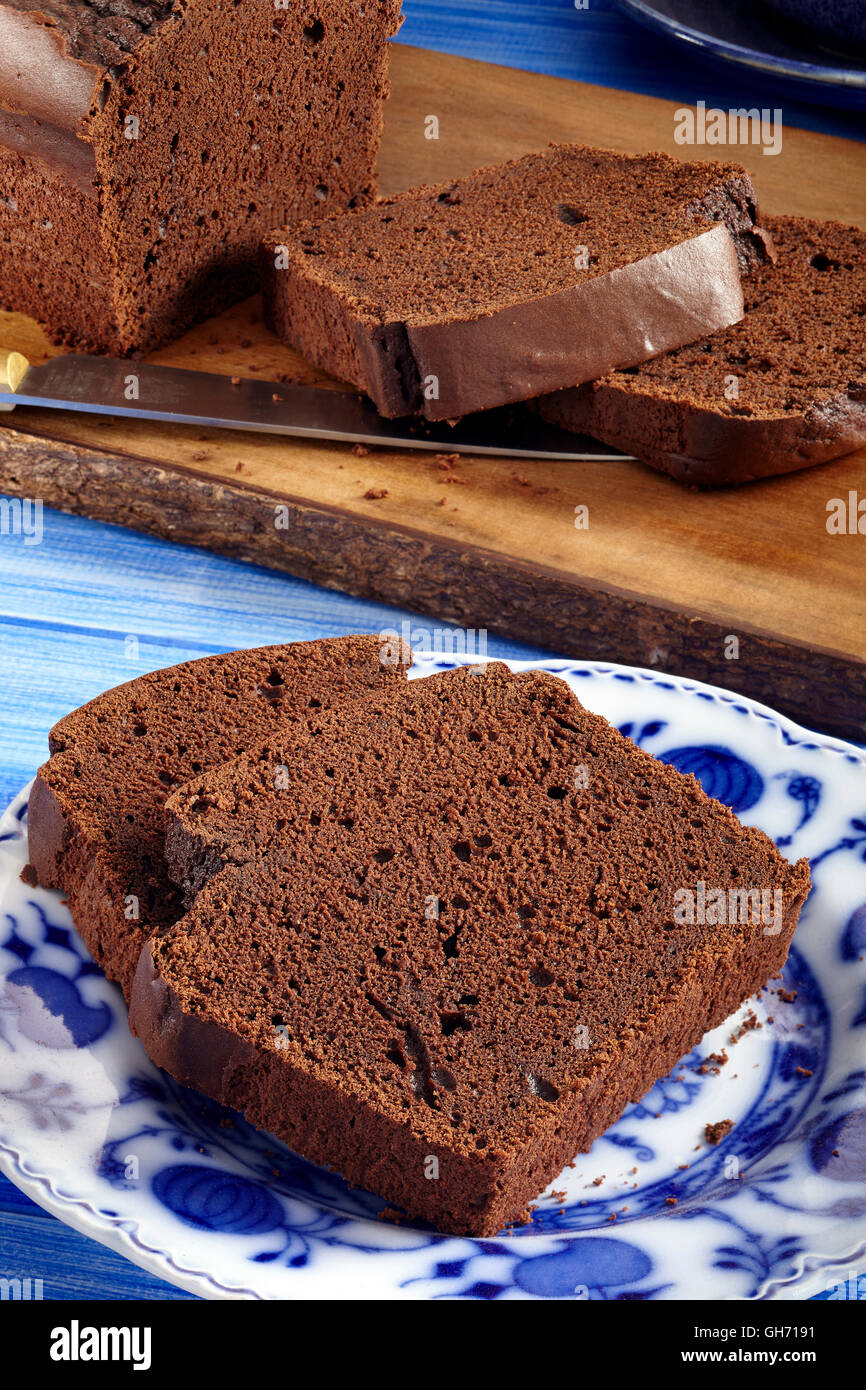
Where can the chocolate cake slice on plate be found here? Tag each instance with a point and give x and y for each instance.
(437, 941)
(520, 279)
(783, 389)
(96, 816)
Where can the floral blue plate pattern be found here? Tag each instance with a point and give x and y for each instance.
(94, 1133)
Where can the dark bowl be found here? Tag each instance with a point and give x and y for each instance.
(836, 19)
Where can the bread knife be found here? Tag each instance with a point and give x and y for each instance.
(145, 391)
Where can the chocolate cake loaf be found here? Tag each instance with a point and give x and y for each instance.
(520, 279)
(146, 146)
(96, 815)
(438, 941)
(783, 389)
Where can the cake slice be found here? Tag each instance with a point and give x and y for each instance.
(96, 813)
(519, 279)
(783, 389)
(147, 146)
(438, 941)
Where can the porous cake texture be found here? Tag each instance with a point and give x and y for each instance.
(436, 941)
(96, 817)
(145, 148)
(783, 389)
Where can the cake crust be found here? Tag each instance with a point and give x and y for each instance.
(96, 812)
(798, 359)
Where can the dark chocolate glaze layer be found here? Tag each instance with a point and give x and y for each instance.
(53, 145)
(629, 316)
(102, 32)
(53, 53)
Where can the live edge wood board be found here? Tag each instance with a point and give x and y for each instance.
(661, 577)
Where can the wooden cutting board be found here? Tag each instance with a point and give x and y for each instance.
(661, 576)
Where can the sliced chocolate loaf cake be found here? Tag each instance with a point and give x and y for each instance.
(520, 279)
(439, 941)
(146, 147)
(783, 389)
(96, 815)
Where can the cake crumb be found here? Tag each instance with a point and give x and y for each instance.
(715, 1133)
(360, 450)
(390, 1214)
(373, 494)
(750, 1022)
(712, 1065)
(28, 876)
(671, 1202)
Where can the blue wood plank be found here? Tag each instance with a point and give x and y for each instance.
(36, 1245)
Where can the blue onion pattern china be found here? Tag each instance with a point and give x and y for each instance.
(95, 1133)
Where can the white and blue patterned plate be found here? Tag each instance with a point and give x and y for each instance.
(94, 1133)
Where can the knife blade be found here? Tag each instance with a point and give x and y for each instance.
(146, 391)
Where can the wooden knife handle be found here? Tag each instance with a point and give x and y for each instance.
(13, 365)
